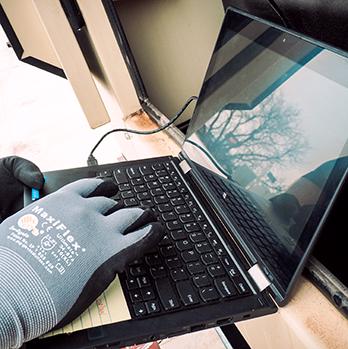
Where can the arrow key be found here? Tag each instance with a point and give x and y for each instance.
(139, 309)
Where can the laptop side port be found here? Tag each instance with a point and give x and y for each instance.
(223, 321)
(198, 327)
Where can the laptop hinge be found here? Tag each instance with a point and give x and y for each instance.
(259, 277)
(185, 167)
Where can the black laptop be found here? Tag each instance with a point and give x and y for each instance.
(264, 158)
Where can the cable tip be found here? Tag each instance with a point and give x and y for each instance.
(92, 161)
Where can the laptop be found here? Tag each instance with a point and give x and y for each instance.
(264, 158)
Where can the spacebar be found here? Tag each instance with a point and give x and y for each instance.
(167, 294)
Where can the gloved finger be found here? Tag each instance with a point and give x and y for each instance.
(24, 170)
(138, 242)
(99, 204)
(147, 217)
(125, 217)
(117, 206)
(106, 188)
(83, 187)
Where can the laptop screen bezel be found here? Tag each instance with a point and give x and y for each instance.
(279, 294)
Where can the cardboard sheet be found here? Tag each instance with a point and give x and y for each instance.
(110, 307)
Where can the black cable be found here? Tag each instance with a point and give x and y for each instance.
(93, 161)
(215, 163)
(278, 12)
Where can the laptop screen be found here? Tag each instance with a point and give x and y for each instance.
(269, 137)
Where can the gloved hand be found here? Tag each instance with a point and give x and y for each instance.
(15, 173)
(58, 254)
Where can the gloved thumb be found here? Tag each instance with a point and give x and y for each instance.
(24, 170)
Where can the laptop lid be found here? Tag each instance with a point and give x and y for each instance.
(271, 119)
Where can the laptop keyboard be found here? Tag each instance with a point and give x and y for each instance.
(190, 266)
(242, 211)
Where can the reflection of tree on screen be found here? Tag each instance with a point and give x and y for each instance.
(258, 138)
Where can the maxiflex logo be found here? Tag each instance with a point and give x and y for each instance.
(31, 223)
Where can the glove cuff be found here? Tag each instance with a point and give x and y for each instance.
(26, 310)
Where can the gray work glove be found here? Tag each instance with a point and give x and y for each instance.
(59, 254)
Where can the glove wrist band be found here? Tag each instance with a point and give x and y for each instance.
(26, 309)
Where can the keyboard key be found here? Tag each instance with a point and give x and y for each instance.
(197, 237)
(169, 216)
(150, 178)
(230, 266)
(153, 259)
(216, 270)
(178, 234)
(104, 174)
(187, 218)
(144, 196)
(181, 209)
(164, 179)
(173, 262)
(220, 251)
(217, 246)
(191, 227)
(135, 296)
(225, 287)
(143, 281)
(182, 190)
(169, 186)
(195, 210)
(137, 270)
(147, 203)
(241, 285)
(130, 202)
(177, 201)
(161, 173)
(209, 293)
(137, 181)
(158, 166)
(168, 251)
(184, 245)
(165, 208)
(205, 227)
(172, 193)
(189, 201)
(161, 199)
(120, 176)
(127, 194)
(203, 247)
(187, 293)
(157, 191)
(199, 217)
(158, 272)
(140, 188)
(189, 256)
(195, 268)
(173, 225)
(209, 258)
(133, 172)
(147, 293)
(152, 307)
(132, 283)
(154, 185)
(166, 294)
(178, 274)
(145, 170)
(201, 280)
(233, 271)
(139, 309)
(125, 186)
